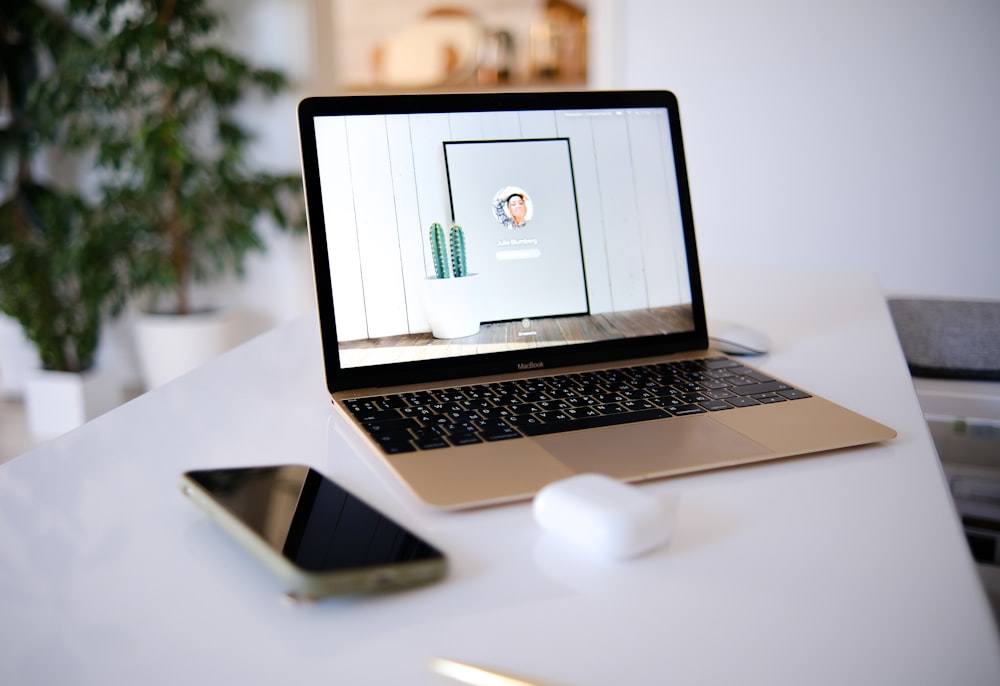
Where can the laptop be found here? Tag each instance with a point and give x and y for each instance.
(509, 294)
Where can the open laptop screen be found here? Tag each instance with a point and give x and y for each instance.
(573, 211)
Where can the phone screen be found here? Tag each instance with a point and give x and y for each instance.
(310, 520)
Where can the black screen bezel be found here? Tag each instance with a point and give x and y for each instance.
(340, 378)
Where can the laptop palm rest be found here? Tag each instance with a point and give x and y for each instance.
(650, 449)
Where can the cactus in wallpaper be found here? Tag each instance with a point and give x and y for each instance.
(443, 266)
(456, 240)
(439, 251)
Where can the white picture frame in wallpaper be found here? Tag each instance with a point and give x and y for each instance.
(516, 201)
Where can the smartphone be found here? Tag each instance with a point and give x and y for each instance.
(318, 538)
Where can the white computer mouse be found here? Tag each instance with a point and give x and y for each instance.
(737, 339)
(603, 516)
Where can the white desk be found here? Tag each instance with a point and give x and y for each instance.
(846, 568)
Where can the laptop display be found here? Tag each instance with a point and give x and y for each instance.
(600, 255)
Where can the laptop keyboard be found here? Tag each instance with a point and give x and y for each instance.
(506, 410)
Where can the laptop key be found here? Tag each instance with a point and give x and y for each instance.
(462, 417)
(396, 423)
(416, 411)
(467, 438)
(637, 405)
(555, 416)
(428, 432)
(752, 374)
(397, 447)
(498, 434)
(712, 384)
(490, 425)
(388, 401)
(688, 398)
(765, 387)
(431, 443)
(719, 363)
(579, 412)
(715, 405)
(390, 437)
(684, 410)
(372, 415)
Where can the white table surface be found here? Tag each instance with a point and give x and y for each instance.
(845, 568)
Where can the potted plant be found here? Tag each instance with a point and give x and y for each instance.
(157, 95)
(450, 296)
(61, 273)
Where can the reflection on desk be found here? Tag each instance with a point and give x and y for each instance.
(848, 567)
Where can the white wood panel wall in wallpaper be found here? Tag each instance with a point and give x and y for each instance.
(384, 182)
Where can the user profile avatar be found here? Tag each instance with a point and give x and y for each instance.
(512, 207)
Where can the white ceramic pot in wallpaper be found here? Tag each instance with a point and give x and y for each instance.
(453, 305)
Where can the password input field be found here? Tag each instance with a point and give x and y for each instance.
(526, 254)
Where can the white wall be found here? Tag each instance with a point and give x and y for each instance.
(280, 35)
(859, 133)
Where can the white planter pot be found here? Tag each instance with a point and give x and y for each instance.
(168, 346)
(452, 306)
(18, 358)
(57, 402)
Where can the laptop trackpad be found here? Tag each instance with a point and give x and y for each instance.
(658, 448)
